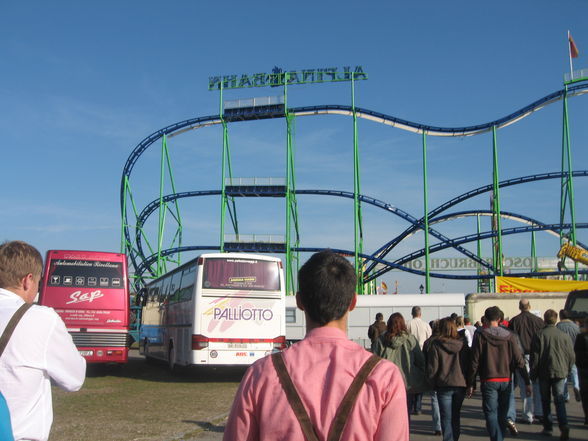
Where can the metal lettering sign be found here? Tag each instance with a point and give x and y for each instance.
(278, 77)
(466, 264)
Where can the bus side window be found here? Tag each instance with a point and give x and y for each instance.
(174, 290)
(187, 286)
(164, 290)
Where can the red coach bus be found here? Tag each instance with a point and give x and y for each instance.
(89, 290)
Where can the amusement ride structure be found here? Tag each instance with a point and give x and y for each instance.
(150, 256)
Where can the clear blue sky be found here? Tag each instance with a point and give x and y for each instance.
(83, 84)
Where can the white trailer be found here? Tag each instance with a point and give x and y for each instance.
(476, 303)
(433, 307)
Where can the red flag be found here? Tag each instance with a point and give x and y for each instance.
(573, 48)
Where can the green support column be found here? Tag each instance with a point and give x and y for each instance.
(479, 252)
(567, 190)
(124, 246)
(223, 171)
(162, 208)
(426, 215)
(496, 207)
(357, 219)
(533, 253)
(289, 273)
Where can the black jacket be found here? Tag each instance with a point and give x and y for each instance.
(581, 350)
(376, 329)
(526, 325)
(447, 362)
(496, 354)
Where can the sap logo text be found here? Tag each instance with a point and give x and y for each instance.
(78, 297)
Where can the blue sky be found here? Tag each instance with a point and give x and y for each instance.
(83, 84)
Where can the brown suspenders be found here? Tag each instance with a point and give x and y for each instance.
(338, 424)
(12, 325)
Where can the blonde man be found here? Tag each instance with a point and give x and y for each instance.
(40, 350)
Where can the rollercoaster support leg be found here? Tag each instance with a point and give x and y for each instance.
(498, 267)
(533, 253)
(124, 246)
(426, 215)
(567, 190)
(479, 252)
(162, 207)
(290, 198)
(178, 218)
(357, 219)
(223, 171)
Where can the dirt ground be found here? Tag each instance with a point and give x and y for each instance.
(144, 402)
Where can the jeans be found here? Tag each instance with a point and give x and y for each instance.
(573, 378)
(450, 401)
(495, 399)
(553, 386)
(417, 403)
(435, 411)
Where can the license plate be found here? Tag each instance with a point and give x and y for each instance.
(86, 353)
(237, 345)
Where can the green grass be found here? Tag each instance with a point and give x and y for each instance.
(144, 402)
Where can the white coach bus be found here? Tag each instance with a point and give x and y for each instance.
(433, 307)
(218, 309)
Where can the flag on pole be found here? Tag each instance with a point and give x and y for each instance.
(573, 48)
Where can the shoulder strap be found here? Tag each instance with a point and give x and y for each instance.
(294, 398)
(350, 397)
(12, 325)
(345, 406)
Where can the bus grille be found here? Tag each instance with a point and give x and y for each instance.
(101, 339)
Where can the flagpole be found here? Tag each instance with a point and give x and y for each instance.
(570, 55)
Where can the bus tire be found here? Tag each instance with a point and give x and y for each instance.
(171, 357)
(148, 357)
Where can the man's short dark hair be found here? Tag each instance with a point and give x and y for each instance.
(379, 316)
(326, 286)
(550, 317)
(563, 314)
(416, 311)
(17, 259)
(492, 314)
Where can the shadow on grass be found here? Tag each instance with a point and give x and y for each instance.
(158, 371)
(209, 427)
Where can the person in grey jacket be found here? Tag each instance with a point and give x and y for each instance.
(552, 357)
(572, 329)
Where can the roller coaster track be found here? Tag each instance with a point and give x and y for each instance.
(153, 205)
(386, 248)
(195, 123)
(150, 260)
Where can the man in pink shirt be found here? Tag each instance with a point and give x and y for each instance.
(322, 367)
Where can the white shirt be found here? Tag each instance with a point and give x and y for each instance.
(39, 351)
(420, 329)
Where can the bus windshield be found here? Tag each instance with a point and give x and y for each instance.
(241, 274)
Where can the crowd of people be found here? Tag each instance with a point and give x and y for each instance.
(447, 357)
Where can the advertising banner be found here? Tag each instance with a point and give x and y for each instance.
(520, 284)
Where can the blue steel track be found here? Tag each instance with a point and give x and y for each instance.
(142, 263)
